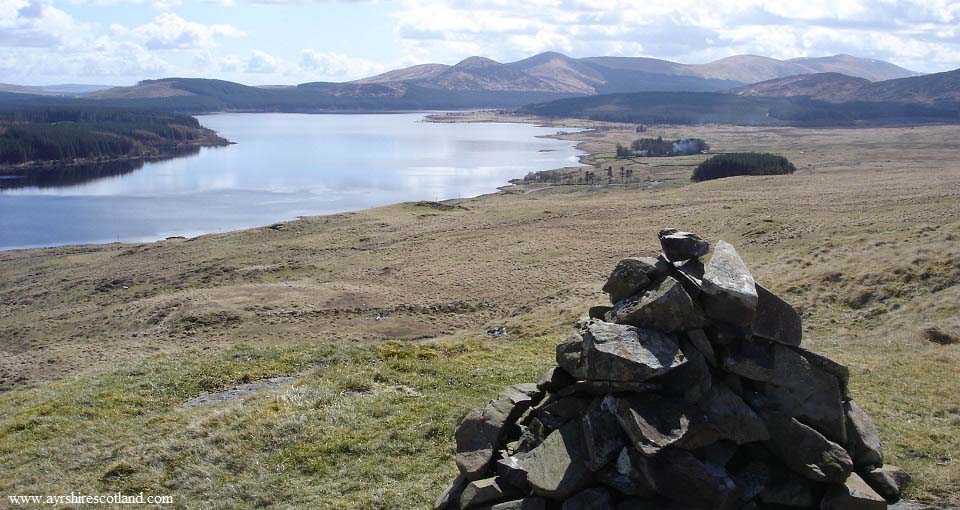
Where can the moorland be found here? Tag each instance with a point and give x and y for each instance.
(394, 321)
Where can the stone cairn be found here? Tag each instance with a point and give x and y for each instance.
(691, 392)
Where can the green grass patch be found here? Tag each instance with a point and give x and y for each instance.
(362, 428)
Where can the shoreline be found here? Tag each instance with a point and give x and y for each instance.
(428, 117)
(24, 169)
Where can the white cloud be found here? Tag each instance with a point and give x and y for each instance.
(331, 65)
(169, 31)
(38, 24)
(261, 62)
(922, 34)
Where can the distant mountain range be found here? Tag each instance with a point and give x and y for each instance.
(481, 82)
(555, 72)
(763, 90)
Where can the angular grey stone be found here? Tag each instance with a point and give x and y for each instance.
(788, 489)
(729, 292)
(482, 492)
(450, 498)
(557, 468)
(776, 320)
(690, 276)
(532, 434)
(619, 352)
(721, 333)
(596, 498)
(681, 477)
(531, 503)
(853, 494)
(629, 277)
(664, 307)
(602, 434)
(731, 417)
(755, 360)
(826, 364)
(806, 451)
(810, 394)
(625, 475)
(653, 422)
(604, 387)
(480, 433)
(512, 470)
(887, 480)
(678, 245)
(599, 312)
(718, 453)
(692, 380)
(863, 440)
(554, 379)
(699, 339)
(555, 410)
(568, 353)
(797, 387)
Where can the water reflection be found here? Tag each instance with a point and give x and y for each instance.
(283, 166)
(76, 175)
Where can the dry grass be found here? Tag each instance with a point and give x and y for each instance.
(863, 240)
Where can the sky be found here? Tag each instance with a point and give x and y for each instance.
(262, 42)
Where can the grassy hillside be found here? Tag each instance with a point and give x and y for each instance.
(719, 108)
(382, 317)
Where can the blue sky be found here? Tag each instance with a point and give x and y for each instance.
(294, 41)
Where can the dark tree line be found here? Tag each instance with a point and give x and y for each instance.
(742, 163)
(46, 134)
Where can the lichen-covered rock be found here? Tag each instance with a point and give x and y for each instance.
(887, 480)
(664, 307)
(852, 494)
(485, 491)
(602, 435)
(692, 394)
(863, 440)
(788, 489)
(653, 422)
(731, 417)
(806, 451)
(625, 475)
(629, 277)
(557, 468)
(678, 245)
(699, 339)
(532, 503)
(450, 498)
(729, 292)
(554, 379)
(618, 352)
(681, 477)
(776, 320)
(795, 385)
(480, 432)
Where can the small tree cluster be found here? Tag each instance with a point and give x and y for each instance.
(742, 163)
(658, 147)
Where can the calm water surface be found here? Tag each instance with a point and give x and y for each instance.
(283, 166)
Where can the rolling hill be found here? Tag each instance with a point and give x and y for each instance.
(937, 88)
(720, 108)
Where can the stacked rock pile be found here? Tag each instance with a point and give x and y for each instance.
(690, 392)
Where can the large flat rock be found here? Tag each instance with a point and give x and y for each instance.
(729, 292)
(664, 307)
